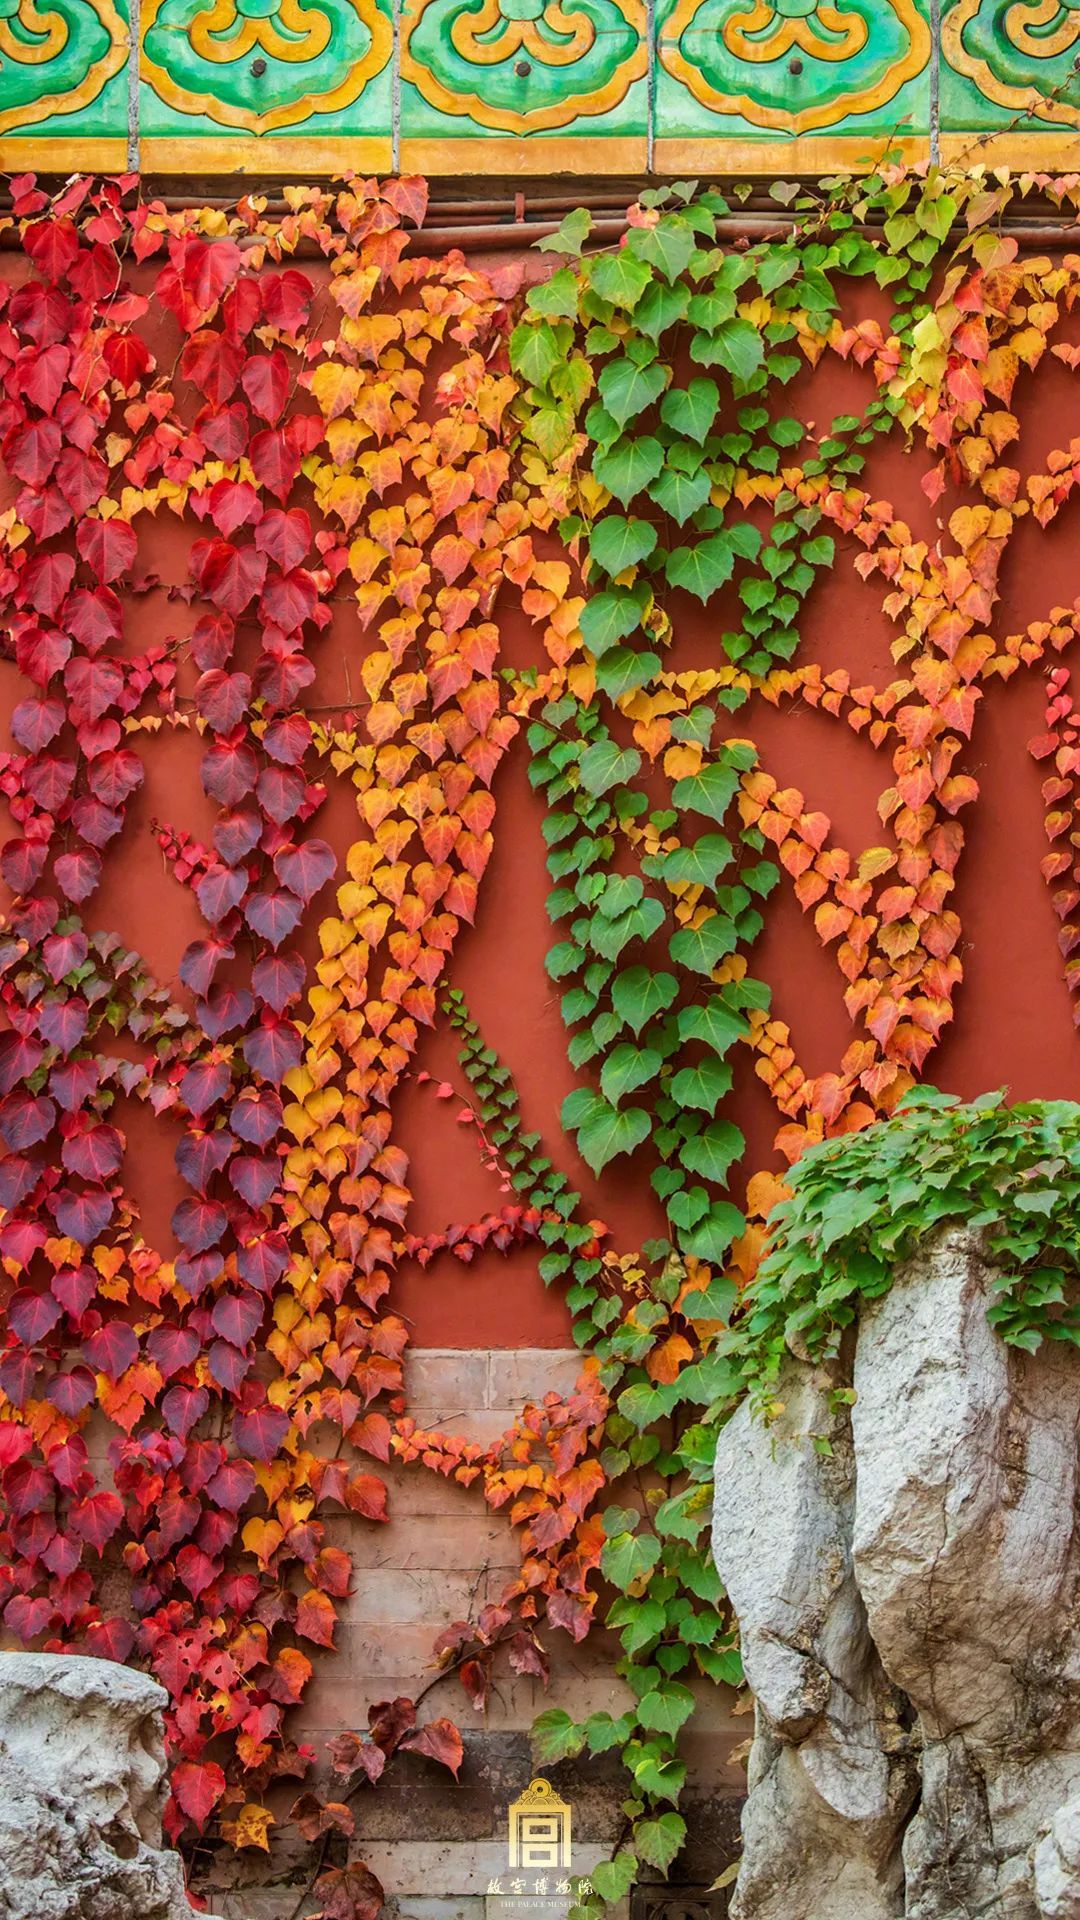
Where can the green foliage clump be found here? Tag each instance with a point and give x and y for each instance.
(864, 1202)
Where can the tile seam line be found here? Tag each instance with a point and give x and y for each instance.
(935, 82)
(134, 47)
(395, 90)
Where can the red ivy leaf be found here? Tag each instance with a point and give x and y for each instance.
(114, 776)
(349, 1893)
(275, 459)
(236, 1316)
(199, 1224)
(257, 1115)
(94, 1152)
(113, 1349)
(30, 1316)
(273, 916)
(78, 873)
(210, 267)
(265, 380)
(108, 546)
(213, 364)
(36, 721)
(316, 1618)
(197, 1787)
(439, 1740)
(259, 1435)
(229, 576)
(274, 1048)
(305, 869)
(286, 299)
(171, 1348)
(96, 1519)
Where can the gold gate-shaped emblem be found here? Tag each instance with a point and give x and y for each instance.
(540, 1829)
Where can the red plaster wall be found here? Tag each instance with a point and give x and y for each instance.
(1014, 1021)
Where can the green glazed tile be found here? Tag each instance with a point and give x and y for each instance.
(1011, 64)
(63, 71)
(278, 69)
(524, 68)
(785, 69)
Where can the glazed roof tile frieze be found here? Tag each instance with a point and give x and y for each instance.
(533, 86)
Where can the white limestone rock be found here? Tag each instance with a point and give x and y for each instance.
(1056, 1866)
(831, 1779)
(910, 1618)
(82, 1785)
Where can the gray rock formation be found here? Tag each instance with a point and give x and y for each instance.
(82, 1784)
(909, 1597)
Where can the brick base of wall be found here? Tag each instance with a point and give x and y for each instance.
(439, 1846)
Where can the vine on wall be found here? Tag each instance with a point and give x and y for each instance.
(368, 444)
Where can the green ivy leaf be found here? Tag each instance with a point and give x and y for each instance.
(557, 296)
(621, 670)
(711, 1239)
(627, 389)
(660, 307)
(712, 1152)
(618, 893)
(616, 543)
(571, 236)
(683, 1516)
(638, 995)
(626, 468)
(701, 1087)
(551, 429)
(700, 948)
(613, 1879)
(702, 569)
(710, 792)
(603, 1133)
(721, 1664)
(627, 1068)
(658, 1841)
(664, 1779)
(736, 345)
(701, 863)
(670, 245)
(607, 765)
(642, 1404)
(681, 494)
(775, 266)
(555, 1736)
(666, 1708)
(691, 410)
(715, 1023)
(628, 1557)
(641, 1621)
(619, 278)
(610, 616)
(609, 936)
(602, 1732)
(713, 1302)
(534, 352)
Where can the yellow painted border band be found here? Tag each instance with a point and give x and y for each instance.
(304, 153)
(848, 152)
(31, 154)
(578, 154)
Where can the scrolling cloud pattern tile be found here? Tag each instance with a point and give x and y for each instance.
(534, 86)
